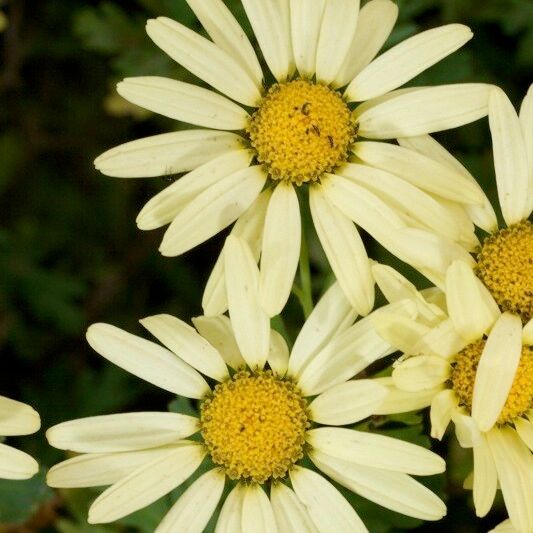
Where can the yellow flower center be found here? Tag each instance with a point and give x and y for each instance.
(254, 426)
(505, 266)
(520, 398)
(301, 130)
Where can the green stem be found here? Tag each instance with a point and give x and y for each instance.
(304, 293)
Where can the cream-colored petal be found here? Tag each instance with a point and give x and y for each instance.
(167, 153)
(510, 158)
(146, 484)
(402, 332)
(146, 360)
(331, 315)
(421, 372)
(377, 451)
(393, 490)
(504, 527)
(167, 204)
(345, 251)
(289, 511)
(228, 35)
(270, 22)
(318, 495)
(121, 433)
(17, 418)
(218, 331)
(196, 505)
(212, 210)
(250, 322)
(485, 477)
(257, 513)
(526, 121)
(443, 406)
(496, 370)
(442, 340)
(280, 249)
(466, 429)
(182, 339)
(15, 464)
(424, 110)
(406, 60)
(527, 333)
(524, 428)
(204, 59)
(374, 25)
(278, 355)
(336, 35)
(347, 403)
(230, 519)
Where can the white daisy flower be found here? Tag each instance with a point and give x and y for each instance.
(264, 412)
(474, 366)
(301, 129)
(17, 419)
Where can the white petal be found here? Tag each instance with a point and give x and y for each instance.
(331, 315)
(524, 429)
(406, 60)
(257, 513)
(146, 360)
(424, 110)
(527, 333)
(421, 372)
(228, 35)
(443, 406)
(183, 340)
(393, 490)
(204, 59)
(485, 477)
(213, 210)
(347, 403)
(325, 504)
(17, 418)
(336, 36)
(526, 121)
(402, 332)
(122, 432)
(280, 249)
(146, 484)
(278, 356)
(290, 513)
(167, 204)
(510, 158)
(167, 153)
(270, 22)
(184, 102)
(230, 519)
(15, 464)
(249, 321)
(196, 505)
(466, 429)
(374, 25)
(345, 251)
(496, 370)
(217, 330)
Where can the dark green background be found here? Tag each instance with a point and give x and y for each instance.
(70, 253)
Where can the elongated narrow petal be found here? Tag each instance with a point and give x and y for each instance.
(442, 407)
(289, 512)
(280, 249)
(374, 25)
(204, 59)
(194, 508)
(421, 372)
(318, 494)
(146, 484)
(336, 35)
(167, 153)
(400, 401)
(526, 121)
(510, 158)
(183, 340)
(466, 430)
(257, 513)
(15, 464)
(248, 319)
(230, 519)
(17, 418)
(213, 210)
(146, 360)
(496, 370)
(485, 477)
(278, 356)
(524, 429)
(423, 110)
(228, 35)
(345, 251)
(406, 60)
(402, 332)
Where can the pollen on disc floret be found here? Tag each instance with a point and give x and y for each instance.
(505, 266)
(301, 130)
(254, 426)
(520, 398)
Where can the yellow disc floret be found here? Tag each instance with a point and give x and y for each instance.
(254, 426)
(301, 130)
(520, 398)
(505, 266)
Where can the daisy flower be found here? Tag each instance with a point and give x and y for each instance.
(474, 366)
(328, 91)
(16, 419)
(261, 412)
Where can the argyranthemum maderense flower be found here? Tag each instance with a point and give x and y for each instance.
(17, 419)
(256, 422)
(474, 366)
(302, 129)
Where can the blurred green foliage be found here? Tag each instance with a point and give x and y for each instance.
(70, 253)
